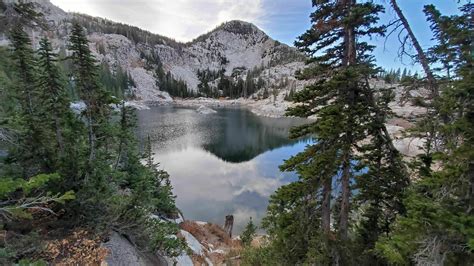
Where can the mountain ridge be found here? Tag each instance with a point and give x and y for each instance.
(235, 48)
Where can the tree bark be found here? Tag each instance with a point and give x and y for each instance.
(92, 138)
(350, 55)
(421, 56)
(350, 58)
(326, 206)
(345, 197)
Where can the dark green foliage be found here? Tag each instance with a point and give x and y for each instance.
(96, 98)
(291, 221)
(260, 256)
(232, 86)
(166, 81)
(114, 163)
(55, 113)
(176, 88)
(118, 83)
(26, 94)
(249, 233)
(395, 76)
(24, 63)
(53, 152)
(438, 225)
(207, 76)
(348, 112)
(6, 76)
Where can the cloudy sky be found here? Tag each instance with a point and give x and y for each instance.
(283, 20)
(186, 19)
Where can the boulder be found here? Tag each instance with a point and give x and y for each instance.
(123, 253)
(205, 110)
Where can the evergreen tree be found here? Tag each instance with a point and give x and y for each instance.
(437, 228)
(349, 111)
(24, 60)
(161, 185)
(95, 97)
(29, 153)
(249, 233)
(53, 155)
(54, 98)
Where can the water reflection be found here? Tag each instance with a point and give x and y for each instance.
(223, 163)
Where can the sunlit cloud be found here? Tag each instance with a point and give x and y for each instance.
(182, 20)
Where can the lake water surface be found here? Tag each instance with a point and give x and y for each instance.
(222, 163)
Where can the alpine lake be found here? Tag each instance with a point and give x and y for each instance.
(221, 163)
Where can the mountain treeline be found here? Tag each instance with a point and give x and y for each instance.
(216, 84)
(358, 201)
(397, 76)
(68, 178)
(137, 35)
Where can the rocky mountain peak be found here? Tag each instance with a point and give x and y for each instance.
(233, 52)
(240, 27)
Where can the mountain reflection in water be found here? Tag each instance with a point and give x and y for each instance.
(222, 163)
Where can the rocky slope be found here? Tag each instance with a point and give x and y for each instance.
(235, 47)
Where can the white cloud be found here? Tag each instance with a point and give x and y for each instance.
(179, 19)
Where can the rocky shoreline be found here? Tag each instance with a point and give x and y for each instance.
(209, 244)
(404, 117)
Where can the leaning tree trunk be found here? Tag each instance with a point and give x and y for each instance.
(421, 56)
(432, 84)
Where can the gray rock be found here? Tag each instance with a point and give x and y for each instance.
(124, 253)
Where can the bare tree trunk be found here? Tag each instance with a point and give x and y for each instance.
(345, 198)
(326, 206)
(229, 224)
(432, 84)
(92, 138)
(420, 53)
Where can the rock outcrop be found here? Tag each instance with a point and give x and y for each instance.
(205, 110)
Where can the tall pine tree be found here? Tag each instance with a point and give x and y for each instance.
(53, 95)
(96, 98)
(29, 153)
(352, 148)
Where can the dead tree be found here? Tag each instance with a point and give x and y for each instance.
(229, 224)
(420, 54)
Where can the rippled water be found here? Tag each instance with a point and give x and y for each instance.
(222, 163)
